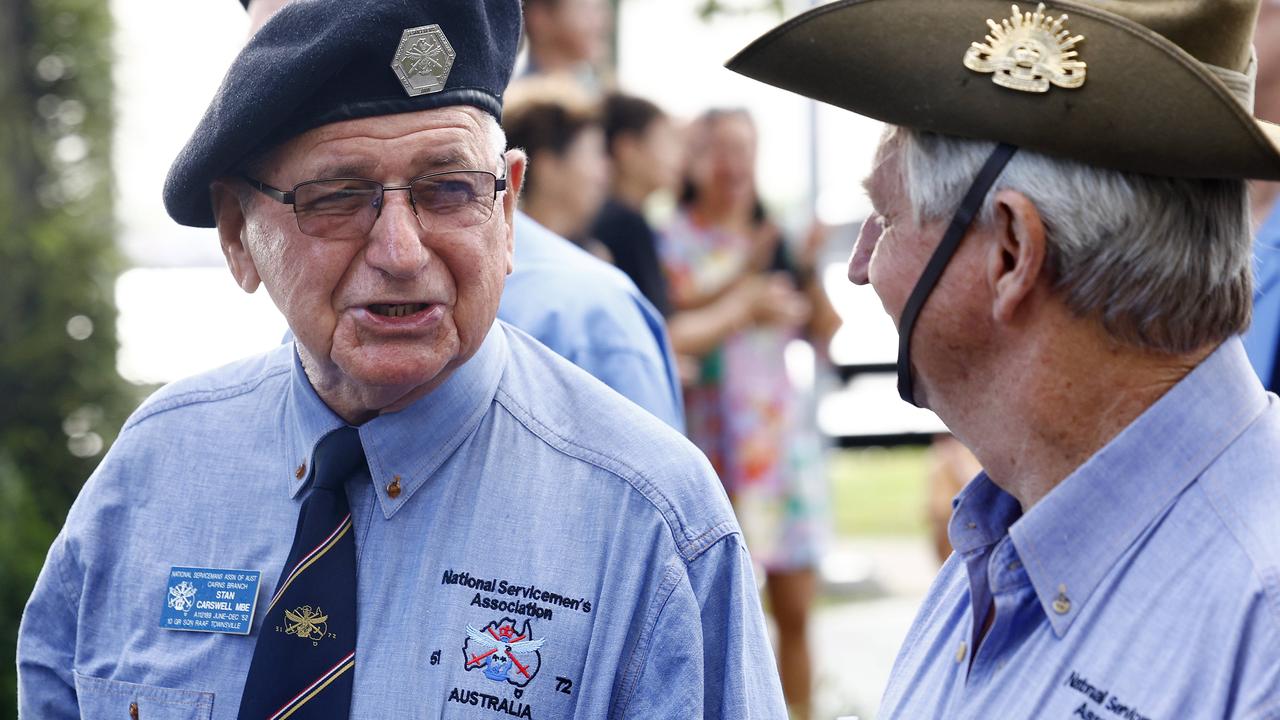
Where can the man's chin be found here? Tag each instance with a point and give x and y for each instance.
(392, 369)
(375, 375)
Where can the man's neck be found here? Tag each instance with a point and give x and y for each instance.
(358, 404)
(1073, 400)
(630, 192)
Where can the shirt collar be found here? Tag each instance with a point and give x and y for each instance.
(982, 516)
(403, 447)
(1075, 535)
(407, 447)
(308, 420)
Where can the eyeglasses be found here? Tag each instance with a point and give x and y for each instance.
(348, 207)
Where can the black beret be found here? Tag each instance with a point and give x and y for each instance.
(317, 62)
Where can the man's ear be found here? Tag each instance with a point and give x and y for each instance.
(1016, 259)
(517, 164)
(228, 213)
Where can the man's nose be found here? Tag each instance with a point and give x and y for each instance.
(396, 241)
(860, 261)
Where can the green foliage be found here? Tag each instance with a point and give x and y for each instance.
(61, 399)
(879, 492)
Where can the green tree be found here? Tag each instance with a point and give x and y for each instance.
(61, 399)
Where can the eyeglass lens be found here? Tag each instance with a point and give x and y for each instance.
(350, 207)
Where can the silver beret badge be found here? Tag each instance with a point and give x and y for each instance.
(423, 60)
(1029, 52)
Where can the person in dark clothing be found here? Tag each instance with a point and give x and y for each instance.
(645, 151)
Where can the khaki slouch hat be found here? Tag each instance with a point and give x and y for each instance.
(1161, 87)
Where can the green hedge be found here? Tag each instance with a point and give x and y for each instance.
(61, 399)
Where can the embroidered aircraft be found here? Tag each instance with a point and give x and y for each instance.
(503, 652)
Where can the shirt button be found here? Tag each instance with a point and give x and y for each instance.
(960, 651)
(1014, 566)
(393, 488)
(133, 710)
(972, 525)
(1062, 605)
(302, 470)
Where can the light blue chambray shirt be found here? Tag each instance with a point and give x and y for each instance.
(591, 313)
(1145, 585)
(528, 492)
(1263, 335)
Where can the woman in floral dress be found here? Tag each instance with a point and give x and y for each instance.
(742, 407)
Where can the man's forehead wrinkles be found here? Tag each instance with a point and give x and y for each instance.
(360, 154)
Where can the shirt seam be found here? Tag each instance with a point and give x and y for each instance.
(1267, 581)
(67, 595)
(195, 397)
(1229, 431)
(590, 349)
(690, 548)
(639, 657)
(120, 688)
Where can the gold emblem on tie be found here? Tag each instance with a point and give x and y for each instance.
(1029, 52)
(307, 622)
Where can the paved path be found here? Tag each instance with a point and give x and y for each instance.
(855, 638)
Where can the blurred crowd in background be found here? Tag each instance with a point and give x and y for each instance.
(674, 204)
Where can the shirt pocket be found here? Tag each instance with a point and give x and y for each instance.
(114, 700)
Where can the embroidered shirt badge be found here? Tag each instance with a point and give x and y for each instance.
(502, 652)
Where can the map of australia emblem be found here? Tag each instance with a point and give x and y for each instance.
(503, 652)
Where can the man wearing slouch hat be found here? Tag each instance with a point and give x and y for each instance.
(1061, 234)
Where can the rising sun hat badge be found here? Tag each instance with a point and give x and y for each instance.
(1029, 52)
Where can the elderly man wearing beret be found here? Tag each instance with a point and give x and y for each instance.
(412, 510)
(1061, 233)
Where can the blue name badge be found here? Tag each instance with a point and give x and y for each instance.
(210, 600)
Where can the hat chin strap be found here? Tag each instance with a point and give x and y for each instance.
(959, 227)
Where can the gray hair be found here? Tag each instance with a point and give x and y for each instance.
(497, 139)
(1165, 264)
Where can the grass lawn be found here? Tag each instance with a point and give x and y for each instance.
(878, 491)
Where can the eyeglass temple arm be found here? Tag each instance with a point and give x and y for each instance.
(279, 196)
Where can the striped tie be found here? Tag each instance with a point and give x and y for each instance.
(303, 663)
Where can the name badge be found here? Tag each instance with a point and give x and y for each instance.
(210, 600)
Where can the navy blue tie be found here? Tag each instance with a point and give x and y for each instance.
(305, 657)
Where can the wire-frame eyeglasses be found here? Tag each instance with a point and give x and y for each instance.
(335, 208)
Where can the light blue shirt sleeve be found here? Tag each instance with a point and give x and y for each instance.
(590, 313)
(706, 655)
(46, 644)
